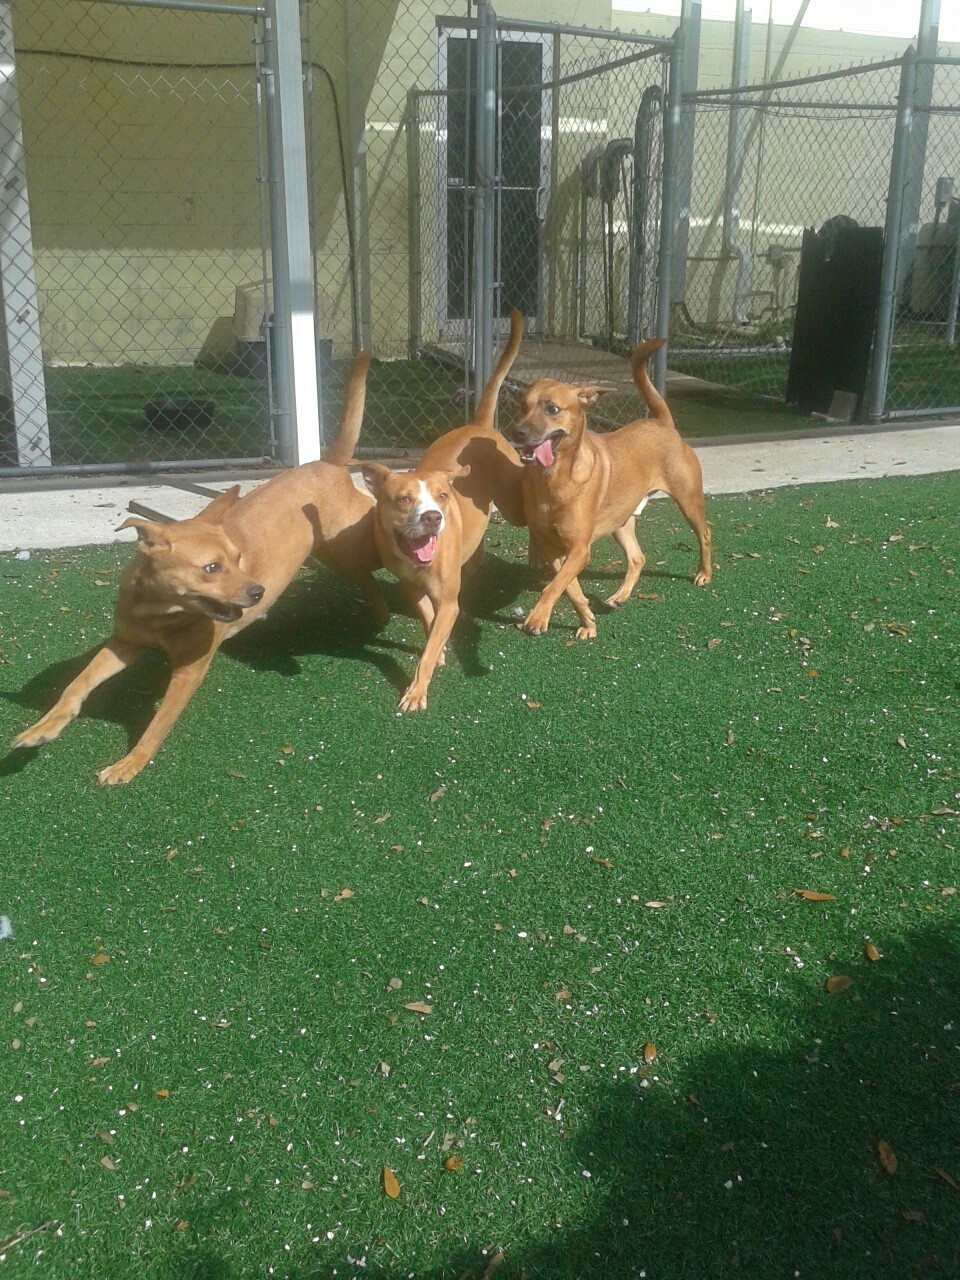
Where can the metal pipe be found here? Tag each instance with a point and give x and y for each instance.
(551, 28)
(892, 232)
(668, 206)
(142, 468)
(194, 6)
(651, 106)
(691, 12)
(734, 174)
(415, 286)
(926, 48)
(484, 196)
(297, 383)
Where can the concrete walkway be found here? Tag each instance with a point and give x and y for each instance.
(79, 513)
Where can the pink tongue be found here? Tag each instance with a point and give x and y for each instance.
(544, 453)
(422, 549)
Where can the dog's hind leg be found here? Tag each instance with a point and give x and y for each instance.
(107, 662)
(690, 502)
(626, 536)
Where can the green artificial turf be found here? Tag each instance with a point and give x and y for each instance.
(582, 858)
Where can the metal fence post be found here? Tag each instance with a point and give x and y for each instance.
(414, 230)
(293, 329)
(22, 378)
(671, 139)
(485, 160)
(892, 231)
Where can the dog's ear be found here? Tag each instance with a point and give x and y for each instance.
(589, 395)
(374, 474)
(151, 538)
(461, 472)
(214, 512)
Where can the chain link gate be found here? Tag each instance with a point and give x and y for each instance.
(140, 237)
(398, 258)
(820, 153)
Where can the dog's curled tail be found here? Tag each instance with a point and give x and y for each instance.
(341, 448)
(487, 408)
(656, 404)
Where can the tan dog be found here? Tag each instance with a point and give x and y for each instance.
(430, 521)
(194, 583)
(578, 486)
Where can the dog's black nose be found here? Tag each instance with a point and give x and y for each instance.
(255, 593)
(431, 520)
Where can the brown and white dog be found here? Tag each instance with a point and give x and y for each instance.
(430, 521)
(579, 486)
(194, 583)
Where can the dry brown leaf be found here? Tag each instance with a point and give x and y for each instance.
(107, 1162)
(884, 1153)
(649, 1052)
(713, 644)
(287, 751)
(161, 1093)
(602, 862)
(391, 1187)
(942, 1173)
(440, 791)
(98, 1062)
(562, 994)
(871, 952)
(811, 895)
(394, 984)
(653, 905)
(343, 894)
(232, 773)
(383, 817)
(838, 983)
(453, 1164)
(533, 706)
(99, 958)
(418, 1006)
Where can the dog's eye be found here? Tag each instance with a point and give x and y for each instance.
(552, 410)
(442, 497)
(213, 567)
(405, 499)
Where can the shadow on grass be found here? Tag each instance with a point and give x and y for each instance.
(762, 1162)
(320, 614)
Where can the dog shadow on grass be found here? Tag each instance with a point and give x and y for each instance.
(319, 614)
(832, 1155)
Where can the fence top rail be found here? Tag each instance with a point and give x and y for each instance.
(559, 29)
(194, 6)
(771, 86)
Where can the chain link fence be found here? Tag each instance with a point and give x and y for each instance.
(138, 236)
(576, 219)
(782, 176)
(136, 267)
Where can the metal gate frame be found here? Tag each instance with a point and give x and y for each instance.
(295, 405)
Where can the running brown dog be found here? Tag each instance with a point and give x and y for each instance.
(430, 521)
(579, 486)
(194, 583)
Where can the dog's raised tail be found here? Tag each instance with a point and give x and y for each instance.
(487, 408)
(341, 448)
(656, 405)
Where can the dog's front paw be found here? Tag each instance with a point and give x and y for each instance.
(536, 623)
(702, 579)
(122, 771)
(414, 699)
(45, 730)
(587, 633)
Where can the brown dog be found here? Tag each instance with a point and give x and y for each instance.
(579, 486)
(430, 521)
(194, 583)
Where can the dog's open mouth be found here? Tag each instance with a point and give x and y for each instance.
(542, 454)
(219, 610)
(420, 549)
